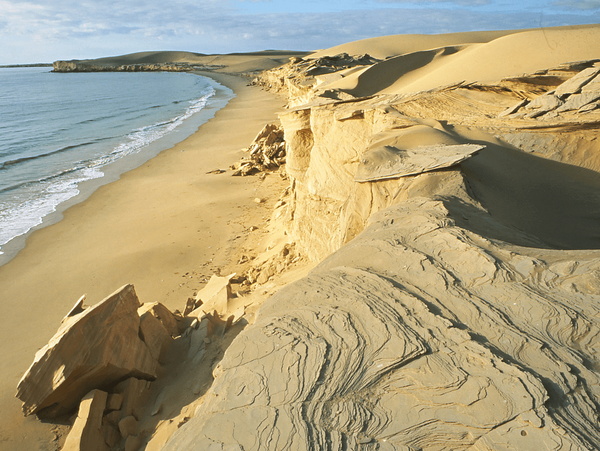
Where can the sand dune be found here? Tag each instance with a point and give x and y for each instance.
(389, 46)
(231, 63)
(151, 58)
(514, 54)
(391, 75)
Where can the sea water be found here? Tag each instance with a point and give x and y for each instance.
(61, 130)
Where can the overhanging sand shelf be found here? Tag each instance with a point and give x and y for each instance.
(453, 309)
(386, 157)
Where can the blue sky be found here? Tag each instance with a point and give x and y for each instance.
(47, 30)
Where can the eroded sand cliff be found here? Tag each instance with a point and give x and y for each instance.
(457, 305)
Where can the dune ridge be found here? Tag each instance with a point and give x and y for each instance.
(394, 45)
(234, 63)
(513, 54)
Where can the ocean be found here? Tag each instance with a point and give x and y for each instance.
(60, 132)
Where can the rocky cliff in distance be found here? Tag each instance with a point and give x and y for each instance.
(85, 66)
(456, 304)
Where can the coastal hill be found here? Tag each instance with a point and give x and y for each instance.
(444, 193)
(181, 61)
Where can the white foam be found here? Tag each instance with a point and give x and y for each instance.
(43, 198)
(29, 211)
(143, 137)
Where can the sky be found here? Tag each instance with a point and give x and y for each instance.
(43, 31)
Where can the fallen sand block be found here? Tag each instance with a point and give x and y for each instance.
(216, 294)
(135, 393)
(104, 420)
(199, 332)
(98, 347)
(154, 334)
(128, 426)
(163, 314)
(87, 433)
(267, 151)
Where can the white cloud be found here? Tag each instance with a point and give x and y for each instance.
(456, 2)
(46, 30)
(581, 5)
(11, 7)
(72, 19)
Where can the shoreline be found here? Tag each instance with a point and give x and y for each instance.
(113, 171)
(167, 213)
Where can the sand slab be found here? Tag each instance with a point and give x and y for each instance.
(157, 223)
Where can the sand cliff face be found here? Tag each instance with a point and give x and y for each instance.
(410, 145)
(329, 148)
(457, 303)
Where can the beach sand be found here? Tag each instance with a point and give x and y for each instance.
(159, 222)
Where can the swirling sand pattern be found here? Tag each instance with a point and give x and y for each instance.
(411, 337)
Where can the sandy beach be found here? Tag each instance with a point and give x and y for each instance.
(156, 224)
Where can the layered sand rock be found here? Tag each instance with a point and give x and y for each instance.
(417, 334)
(455, 307)
(95, 348)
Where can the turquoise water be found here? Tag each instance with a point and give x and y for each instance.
(60, 130)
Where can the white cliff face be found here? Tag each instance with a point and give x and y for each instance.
(331, 149)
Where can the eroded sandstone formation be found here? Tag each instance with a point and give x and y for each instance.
(456, 307)
(417, 335)
(579, 93)
(90, 66)
(296, 79)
